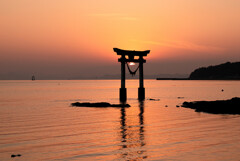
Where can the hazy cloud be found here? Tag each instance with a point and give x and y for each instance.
(118, 16)
(184, 45)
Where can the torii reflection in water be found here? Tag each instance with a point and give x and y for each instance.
(132, 135)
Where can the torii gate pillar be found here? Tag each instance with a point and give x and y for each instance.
(141, 89)
(123, 90)
(131, 54)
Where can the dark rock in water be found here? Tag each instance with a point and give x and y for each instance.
(166, 105)
(98, 104)
(152, 99)
(180, 97)
(15, 155)
(231, 106)
(177, 106)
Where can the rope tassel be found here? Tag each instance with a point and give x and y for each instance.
(132, 72)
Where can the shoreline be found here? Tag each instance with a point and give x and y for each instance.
(197, 79)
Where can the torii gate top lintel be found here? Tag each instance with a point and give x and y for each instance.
(131, 52)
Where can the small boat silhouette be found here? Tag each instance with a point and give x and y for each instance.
(33, 78)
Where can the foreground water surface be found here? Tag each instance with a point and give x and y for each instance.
(37, 121)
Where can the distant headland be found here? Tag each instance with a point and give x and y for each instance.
(226, 71)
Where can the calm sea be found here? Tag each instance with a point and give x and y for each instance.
(37, 121)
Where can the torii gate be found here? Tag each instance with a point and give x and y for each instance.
(130, 58)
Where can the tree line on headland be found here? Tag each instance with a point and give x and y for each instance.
(226, 71)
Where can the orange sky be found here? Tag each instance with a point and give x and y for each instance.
(59, 37)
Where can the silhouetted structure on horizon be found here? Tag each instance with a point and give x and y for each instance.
(131, 54)
(33, 78)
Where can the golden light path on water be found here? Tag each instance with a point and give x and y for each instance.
(38, 122)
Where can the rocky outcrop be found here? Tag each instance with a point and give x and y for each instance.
(98, 104)
(15, 155)
(231, 106)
